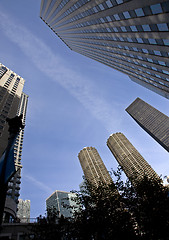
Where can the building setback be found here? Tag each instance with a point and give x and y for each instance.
(12, 102)
(131, 36)
(133, 164)
(154, 122)
(93, 167)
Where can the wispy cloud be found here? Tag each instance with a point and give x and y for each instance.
(37, 183)
(58, 70)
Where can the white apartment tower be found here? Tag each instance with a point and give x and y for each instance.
(12, 102)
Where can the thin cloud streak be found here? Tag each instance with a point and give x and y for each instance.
(57, 70)
(37, 183)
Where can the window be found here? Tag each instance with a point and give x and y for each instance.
(145, 50)
(101, 6)
(152, 41)
(162, 27)
(119, 1)
(140, 40)
(156, 8)
(108, 19)
(116, 16)
(146, 28)
(133, 28)
(166, 42)
(123, 29)
(157, 53)
(95, 9)
(139, 12)
(126, 15)
(109, 4)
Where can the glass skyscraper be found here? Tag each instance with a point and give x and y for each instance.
(131, 36)
(60, 201)
(12, 102)
(154, 122)
(93, 167)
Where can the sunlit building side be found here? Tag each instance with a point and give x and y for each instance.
(93, 167)
(131, 36)
(12, 102)
(133, 164)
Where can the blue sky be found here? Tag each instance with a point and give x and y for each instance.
(74, 102)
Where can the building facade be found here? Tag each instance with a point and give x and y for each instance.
(23, 210)
(61, 202)
(12, 102)
(93, 167)
(133, 164)
(154, 122)
(131, 36)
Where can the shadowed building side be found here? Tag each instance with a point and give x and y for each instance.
(133, 164)
(154, 122)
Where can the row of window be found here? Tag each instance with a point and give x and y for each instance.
(139, 12)
(136, 56)
(123, 66)
(88, 12)
(3, 70)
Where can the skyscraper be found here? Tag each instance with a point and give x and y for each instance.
(128, 35)
(23, 212)
(58, 202)
(131, 161)
(12, 102)
(93, 167)
(154, 122)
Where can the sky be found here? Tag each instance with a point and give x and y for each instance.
(74, 102)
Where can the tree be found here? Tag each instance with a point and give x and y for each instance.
(116, 211)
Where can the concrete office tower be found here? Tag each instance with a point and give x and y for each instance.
(133, 164)
(23, 211)
(130, 36)
(155, 123)
(93, 167)
(12, 102)
(58, 200)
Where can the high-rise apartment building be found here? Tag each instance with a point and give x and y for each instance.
(131, 36)
(93, 167)
(23, 210)
(133, 164)
(12, 102)
(61, 202)
(154, 122)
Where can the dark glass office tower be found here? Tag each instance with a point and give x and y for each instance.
(131, 161)
(131, 36)
(154, 122)
(93, 167)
